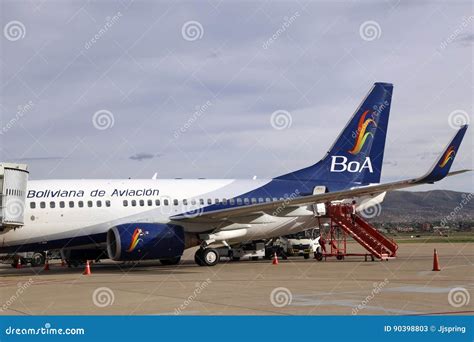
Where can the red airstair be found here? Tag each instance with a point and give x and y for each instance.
(343, 223)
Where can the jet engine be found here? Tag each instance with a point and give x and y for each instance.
(144, 241)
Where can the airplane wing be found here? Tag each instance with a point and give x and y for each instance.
(438, 171)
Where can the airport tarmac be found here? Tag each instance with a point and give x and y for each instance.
(405, 285)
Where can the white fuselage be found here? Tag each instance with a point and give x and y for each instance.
(60, 209)
(63, 209)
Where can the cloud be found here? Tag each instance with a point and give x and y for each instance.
(143, 156)
(142, 70)
(467, 38)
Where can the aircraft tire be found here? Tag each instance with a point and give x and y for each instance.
(207, 257)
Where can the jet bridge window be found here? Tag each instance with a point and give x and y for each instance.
(52, 205)
(42, 205)
(32, 205)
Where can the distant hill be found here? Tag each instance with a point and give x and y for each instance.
(426, 206)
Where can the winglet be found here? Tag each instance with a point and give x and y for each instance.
(441, 168)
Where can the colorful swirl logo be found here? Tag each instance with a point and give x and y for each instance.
(361, 135)
(450, 153)
(135, 239)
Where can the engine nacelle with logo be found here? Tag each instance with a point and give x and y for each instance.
(145, 241)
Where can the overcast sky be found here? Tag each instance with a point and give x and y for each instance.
(129, 88)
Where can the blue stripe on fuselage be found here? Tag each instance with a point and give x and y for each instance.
(56, 244)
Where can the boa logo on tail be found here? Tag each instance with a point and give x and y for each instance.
(450, 153)
(135, 239)
(362, 135)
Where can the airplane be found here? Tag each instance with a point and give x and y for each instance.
(144, 219)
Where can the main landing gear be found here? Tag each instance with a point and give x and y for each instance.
(207, 257)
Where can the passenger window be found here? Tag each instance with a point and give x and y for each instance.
(275, 199)
(134, 203)
(42, 205)
(193, 202)
(166, 202)
(268, 199)
(201, 201)
(89, 204)
(52, 204)
(107, 203)
(157, 202)
(260, 200)
(32, 205)
(216, 201)
(142, 203)
(150, 202)
(99, 204)
(246, 201)
(185, 202)
(62, 204)
(239, 201)
(254, 201)
(175, 202)
(125, 203)
(231, 201)
(71, 204)
(209, 201)
(224, 201)
(80, 204)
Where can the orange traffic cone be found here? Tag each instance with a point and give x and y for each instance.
(87, 271)
(18, 263)
(46, 265)
(436, 261)
(275, 259)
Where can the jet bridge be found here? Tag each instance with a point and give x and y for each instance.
(13, 183)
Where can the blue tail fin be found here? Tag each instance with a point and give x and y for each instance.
(357, 154)
(440, 169)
